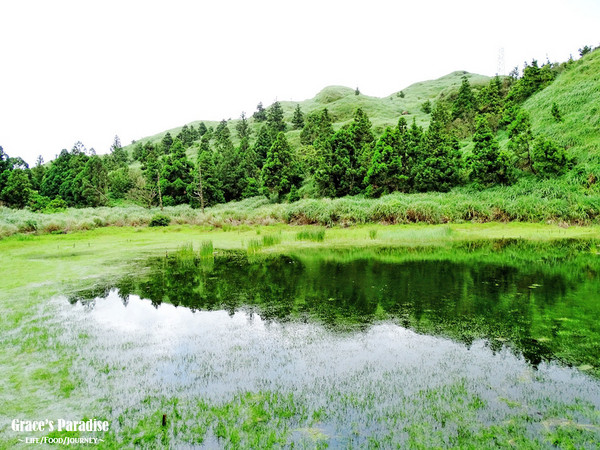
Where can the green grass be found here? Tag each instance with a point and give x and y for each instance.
(576, 91)
(561, 201)
(38, 352)
(316, 235)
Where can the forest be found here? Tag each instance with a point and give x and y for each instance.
(202, 166)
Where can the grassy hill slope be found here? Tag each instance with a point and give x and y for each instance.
(341, 102)
(576, 91)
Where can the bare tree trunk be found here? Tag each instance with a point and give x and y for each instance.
(201, 192)
(159, 190)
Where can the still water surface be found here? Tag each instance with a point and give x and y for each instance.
(376, 340)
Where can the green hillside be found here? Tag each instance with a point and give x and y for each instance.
(576, 91)
(341, 102)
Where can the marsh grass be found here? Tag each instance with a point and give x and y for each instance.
(561, 201)
(206, 249)
(271, 239)
(317, 235)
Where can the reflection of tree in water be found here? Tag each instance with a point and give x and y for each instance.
(461, 300)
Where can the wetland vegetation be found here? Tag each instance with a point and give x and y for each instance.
(455, 335)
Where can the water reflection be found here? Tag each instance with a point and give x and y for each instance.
(541, 300)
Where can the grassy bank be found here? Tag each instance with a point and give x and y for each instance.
(528, 201)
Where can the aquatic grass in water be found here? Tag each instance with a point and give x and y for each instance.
(206, 248)
(317, 235)
(271, 239)
(254, 246)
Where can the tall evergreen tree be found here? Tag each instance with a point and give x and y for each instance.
(439, 169)
(166, 143)
(298, 118)
(262, 145)
(382, 175)
(207, 186)
(228, 163)
(317, 126)
(260, 115)
(464, 104)
(118, 155)
(521, 140)
(281, 171)
(275, 120)
(91, 184)
(487, 164)
(176, 176)
(243, 128)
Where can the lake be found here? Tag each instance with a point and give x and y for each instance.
(468, 344)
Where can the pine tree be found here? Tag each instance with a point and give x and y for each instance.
(298, 118)
(176, 176)
(521, 139)
(118, 156)
(243, 128)
(91, 184)
(262, 145)
(548, 159)
(281, 171)
(275, 120)
(207, 186)
(228, 163)
(464, 105)
(260, 115)
(487, 164)
(383, 175)
(317, 126)
(166, 143)
(201, 130)
(439, 168)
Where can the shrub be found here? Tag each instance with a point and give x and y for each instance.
(160, 220)
(56, 205)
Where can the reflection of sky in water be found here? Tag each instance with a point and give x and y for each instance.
(139, 350)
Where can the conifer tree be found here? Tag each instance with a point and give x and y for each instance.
(464, 105)
(383, 175)
(260, 115)
(176, 176)
(262, 145)
(166, 143)
(298, 118)
(201, 130)
(243, 128)
(487, 164)
(281, 171)
(549, 160)
(317, 126)
(521, 139)
(207, 186)
(228, 163)
(275, 120)
(439, 169)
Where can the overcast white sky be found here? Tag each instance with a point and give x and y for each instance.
(87, 70)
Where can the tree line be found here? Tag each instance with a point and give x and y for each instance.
(327, 163)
